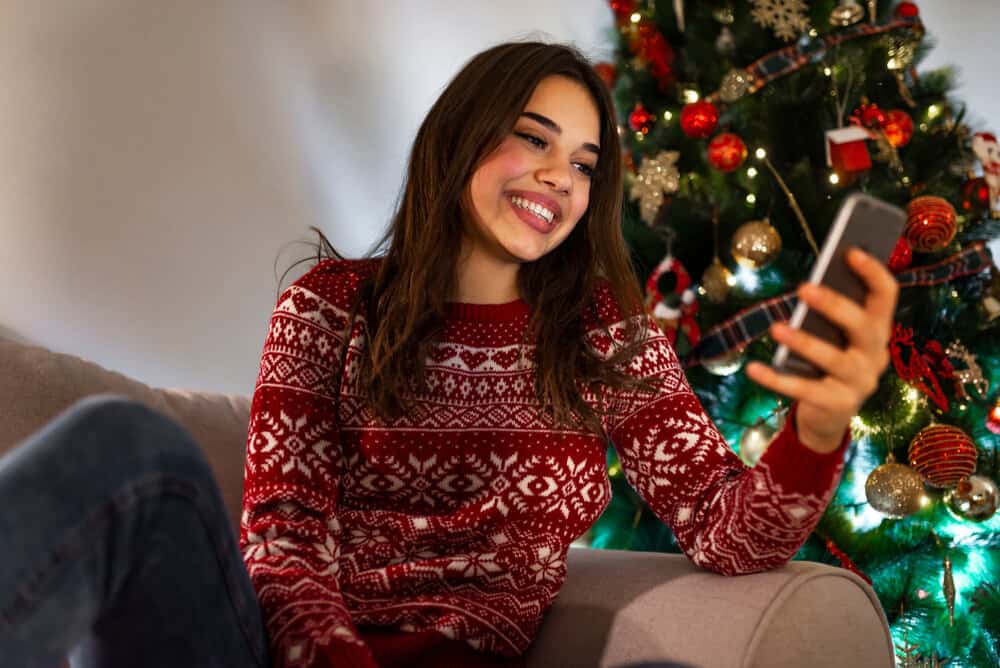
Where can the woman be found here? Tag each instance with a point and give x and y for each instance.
(428, 430)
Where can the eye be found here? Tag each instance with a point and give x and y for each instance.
(540, 143)
(586, 170)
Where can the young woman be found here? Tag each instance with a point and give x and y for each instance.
(429, 426)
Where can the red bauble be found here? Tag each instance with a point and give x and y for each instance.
(726, 152)
(931, 223)
(898, 127)
(641, 120)
(607, 72)
(902, 256)
(869, 115)
(699, 119)
(993, 418)
(623, 9)
(975, 195)
(907, 10)
(943, 455)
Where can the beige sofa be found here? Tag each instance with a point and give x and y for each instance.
(616, 607)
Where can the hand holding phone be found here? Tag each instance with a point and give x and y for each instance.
(863, 222)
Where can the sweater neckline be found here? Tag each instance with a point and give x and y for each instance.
(487, 312)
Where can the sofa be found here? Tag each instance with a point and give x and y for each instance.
(616, 608)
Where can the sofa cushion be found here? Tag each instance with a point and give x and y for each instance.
(37, 384)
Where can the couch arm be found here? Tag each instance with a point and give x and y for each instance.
(621, 607)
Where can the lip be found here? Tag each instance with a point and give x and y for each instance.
(538, 198)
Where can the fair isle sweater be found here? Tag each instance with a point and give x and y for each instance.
(453, 522)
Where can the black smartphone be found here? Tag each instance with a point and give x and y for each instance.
(863, 222)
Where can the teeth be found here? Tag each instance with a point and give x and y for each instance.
(532, 206)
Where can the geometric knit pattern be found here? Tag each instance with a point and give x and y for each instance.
(458, 516)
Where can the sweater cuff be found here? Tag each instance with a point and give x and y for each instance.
(796, 467)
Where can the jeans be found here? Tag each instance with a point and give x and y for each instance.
(115, 548)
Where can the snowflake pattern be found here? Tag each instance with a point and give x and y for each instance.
(788, 18)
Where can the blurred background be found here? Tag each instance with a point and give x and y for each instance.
(159, 162)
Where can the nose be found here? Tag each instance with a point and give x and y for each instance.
(555, 176)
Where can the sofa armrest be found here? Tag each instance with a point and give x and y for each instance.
(620, 607)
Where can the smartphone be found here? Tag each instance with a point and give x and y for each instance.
(862, 222)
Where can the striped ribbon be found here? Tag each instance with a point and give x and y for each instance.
(792, 58)
(753, 322)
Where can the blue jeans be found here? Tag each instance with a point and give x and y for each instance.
(115, 548)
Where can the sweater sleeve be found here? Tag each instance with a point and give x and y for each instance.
(727, 517)
(289, 532)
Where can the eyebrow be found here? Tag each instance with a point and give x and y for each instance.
(552, 125)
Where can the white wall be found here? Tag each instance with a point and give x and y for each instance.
(156, 157)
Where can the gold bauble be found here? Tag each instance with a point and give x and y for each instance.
(754, 441)
(756, 244)
(847, 13)
(894, 489)
(716, 281)
(976, 498)
(725, 364)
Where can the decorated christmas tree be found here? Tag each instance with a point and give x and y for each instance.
(746, 123)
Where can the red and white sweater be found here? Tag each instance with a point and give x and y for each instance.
(454, 521)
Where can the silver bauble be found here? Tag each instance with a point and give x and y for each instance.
(847, 13)
(894, 489)
(725, 364)
(976, 499)
(755, 440)
(735, 84)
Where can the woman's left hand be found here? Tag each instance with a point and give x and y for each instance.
(826, 405)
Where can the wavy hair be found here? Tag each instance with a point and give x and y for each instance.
(405, 300)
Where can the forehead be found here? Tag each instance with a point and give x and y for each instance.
(570, 105)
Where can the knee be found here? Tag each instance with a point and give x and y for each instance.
(115, 431)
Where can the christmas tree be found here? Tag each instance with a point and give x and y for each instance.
(745, 125)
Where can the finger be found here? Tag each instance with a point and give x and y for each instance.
(828, 391)
(826, 356)
(883, 289)
(840, 310)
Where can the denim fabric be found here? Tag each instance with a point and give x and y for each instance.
(115, 548)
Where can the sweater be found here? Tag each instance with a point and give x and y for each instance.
(453, 522)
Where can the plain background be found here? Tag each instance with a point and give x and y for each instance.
(159, 160)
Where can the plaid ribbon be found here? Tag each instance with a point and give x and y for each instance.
(784, 61)
(753, 322)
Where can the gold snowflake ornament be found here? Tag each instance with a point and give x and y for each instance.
(657, 176)
(788, 18)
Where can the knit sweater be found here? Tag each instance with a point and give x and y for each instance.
(453, 522)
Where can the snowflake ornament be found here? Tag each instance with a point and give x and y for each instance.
(788, 18)
(657, 176)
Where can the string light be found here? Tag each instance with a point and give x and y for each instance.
(933, 111)
(752, 172)
(751, 198)
(760, 153)
(639, 136)
(667, 115)
(636, 17)
(690, 95)
(827, 71)
(834, 178)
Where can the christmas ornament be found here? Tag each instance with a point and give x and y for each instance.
(943, 455)
(657, 176)
(726, 152)
(846, 150)
(898, 127)
(787, 18)
(845, 561)
(725, 43)
(970, 374)
(670, 299)
(931, 223)
(641, 120)
(726, 364)
(920, 368)
(894, 489)
(907, 10)
(976, 195)
(984, 146)
(756, 244)
(948, 586)
(623, 9)
(993, 418)
(847, 13)
(975, 499)
(755, 440)
(869, 115)
(716, 281)
(699, 119)
(901, 257)
(608, 73)
(653, 52)
(990, 302)
(735, 84)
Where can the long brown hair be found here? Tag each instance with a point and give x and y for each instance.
(405, 300)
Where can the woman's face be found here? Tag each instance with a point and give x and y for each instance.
(531, 191)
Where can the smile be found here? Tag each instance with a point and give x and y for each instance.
(547, 214)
